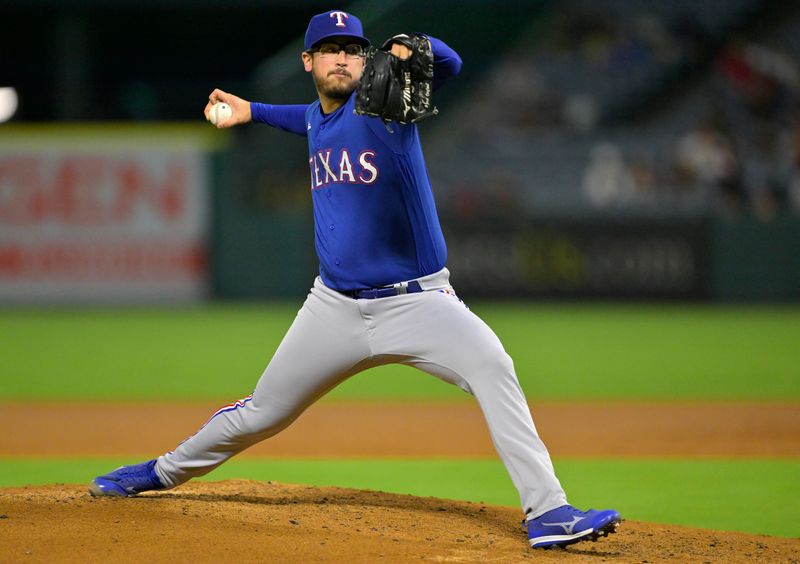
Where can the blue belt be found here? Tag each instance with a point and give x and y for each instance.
(412, 287)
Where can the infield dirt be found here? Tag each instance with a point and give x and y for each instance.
(270, 522)
(243, 521)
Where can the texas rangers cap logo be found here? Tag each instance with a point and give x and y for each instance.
(340, 17)
(334, 23)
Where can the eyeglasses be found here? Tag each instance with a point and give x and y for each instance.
(331, 50)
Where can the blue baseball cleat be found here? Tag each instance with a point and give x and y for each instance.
(126, 481)
(566, 525)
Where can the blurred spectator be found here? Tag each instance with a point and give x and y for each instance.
(645, 177)
(705, 155)
(607, 181)
(706, 159)
(766, 80)
(580, 112)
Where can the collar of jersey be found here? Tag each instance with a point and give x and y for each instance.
(326, 117)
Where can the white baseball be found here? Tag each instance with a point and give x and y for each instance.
(219, 113)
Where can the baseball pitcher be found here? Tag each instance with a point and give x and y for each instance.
(383, 293)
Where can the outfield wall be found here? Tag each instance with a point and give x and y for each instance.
(701, 258)
(158, 214)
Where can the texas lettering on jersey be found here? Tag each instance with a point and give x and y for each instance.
(328, 167)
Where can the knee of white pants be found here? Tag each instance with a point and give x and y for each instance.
(493, 360)
(491, 368)
(265, 420)
(506, 364)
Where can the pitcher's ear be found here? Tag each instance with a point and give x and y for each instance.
(306, 57)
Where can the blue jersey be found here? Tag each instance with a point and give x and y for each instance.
(375, 220)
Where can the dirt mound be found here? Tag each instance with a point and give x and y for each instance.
(254, 521)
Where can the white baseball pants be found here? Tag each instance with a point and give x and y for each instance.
(334, 337)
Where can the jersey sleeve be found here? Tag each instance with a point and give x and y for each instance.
(291, 118)
(446, 62)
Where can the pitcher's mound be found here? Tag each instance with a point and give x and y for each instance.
(271, 522)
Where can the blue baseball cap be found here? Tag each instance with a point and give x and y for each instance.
(332, 24)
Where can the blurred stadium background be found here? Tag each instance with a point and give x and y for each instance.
(591, 149)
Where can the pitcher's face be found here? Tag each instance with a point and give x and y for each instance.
(336, 67)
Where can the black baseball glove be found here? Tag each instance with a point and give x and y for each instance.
(395, 89)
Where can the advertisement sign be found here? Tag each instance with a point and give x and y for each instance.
(103, 216)
(620, 258)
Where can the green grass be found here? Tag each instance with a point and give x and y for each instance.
(560, 352)
(756, 496)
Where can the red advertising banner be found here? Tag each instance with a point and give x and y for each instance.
(87, 221)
